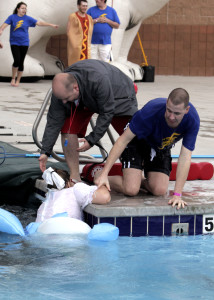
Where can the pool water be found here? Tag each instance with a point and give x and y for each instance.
(61, 267)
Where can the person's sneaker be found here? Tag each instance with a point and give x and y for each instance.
(95, 170)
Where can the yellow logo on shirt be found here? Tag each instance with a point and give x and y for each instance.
(169, 140)
(103, 15)
(18, 24)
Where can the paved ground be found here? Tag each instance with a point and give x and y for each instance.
(19, 107)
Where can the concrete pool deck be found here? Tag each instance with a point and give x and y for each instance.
(143, 214)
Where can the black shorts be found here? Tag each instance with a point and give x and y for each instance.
(137, 155)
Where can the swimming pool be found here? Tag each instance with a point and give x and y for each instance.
(61, 267)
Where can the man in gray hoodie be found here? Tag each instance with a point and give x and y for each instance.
(87, 87)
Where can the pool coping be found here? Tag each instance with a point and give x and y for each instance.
(121, 211)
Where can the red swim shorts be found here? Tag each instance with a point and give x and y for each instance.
(77, 123)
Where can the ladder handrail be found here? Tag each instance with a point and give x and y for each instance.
(83, 158)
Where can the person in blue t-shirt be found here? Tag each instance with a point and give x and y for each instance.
(146, 144)
(105, 18)
(19, 38)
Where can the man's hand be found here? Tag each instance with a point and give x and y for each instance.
(42, 162)
(102, 180)
(176, 200)
(102, 20)
(85, 145)
(108, 21)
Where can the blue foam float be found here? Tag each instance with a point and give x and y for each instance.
(104, 232)
(31, 228)
(58, 224)
(9, 223)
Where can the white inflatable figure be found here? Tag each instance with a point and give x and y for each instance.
(38, 63)
(131, 13)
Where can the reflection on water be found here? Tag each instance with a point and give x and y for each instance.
(61, 267)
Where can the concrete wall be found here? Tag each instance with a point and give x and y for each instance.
(178, 40)
(57, 46)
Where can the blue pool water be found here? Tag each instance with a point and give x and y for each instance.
(61, 267)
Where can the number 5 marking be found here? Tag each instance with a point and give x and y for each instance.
(208, 223)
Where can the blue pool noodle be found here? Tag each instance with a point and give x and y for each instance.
(104, 232)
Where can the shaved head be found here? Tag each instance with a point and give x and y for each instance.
(65, 87)
(62, 81)
(178, 96)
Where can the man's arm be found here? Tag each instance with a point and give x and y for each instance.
(55, 120)
(71, 22)
(114, 154)
(102, 123)
(113, 24)
(183, 166)
(105, 107)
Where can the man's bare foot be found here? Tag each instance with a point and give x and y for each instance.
(17, 83)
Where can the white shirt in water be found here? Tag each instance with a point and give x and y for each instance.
(71, 200)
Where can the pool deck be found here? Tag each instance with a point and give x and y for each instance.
(144, 214)
(198, 194)
(149, 215)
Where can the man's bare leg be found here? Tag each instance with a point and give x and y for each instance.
(71, 154)
(128, 184)
(156, 183)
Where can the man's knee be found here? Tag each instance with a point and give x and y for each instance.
(159, 190)
(131, 181)
(131, 190)
(157, 183)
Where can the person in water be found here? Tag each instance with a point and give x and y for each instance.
(61, 197)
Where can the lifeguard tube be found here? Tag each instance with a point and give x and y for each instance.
(64, 225)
